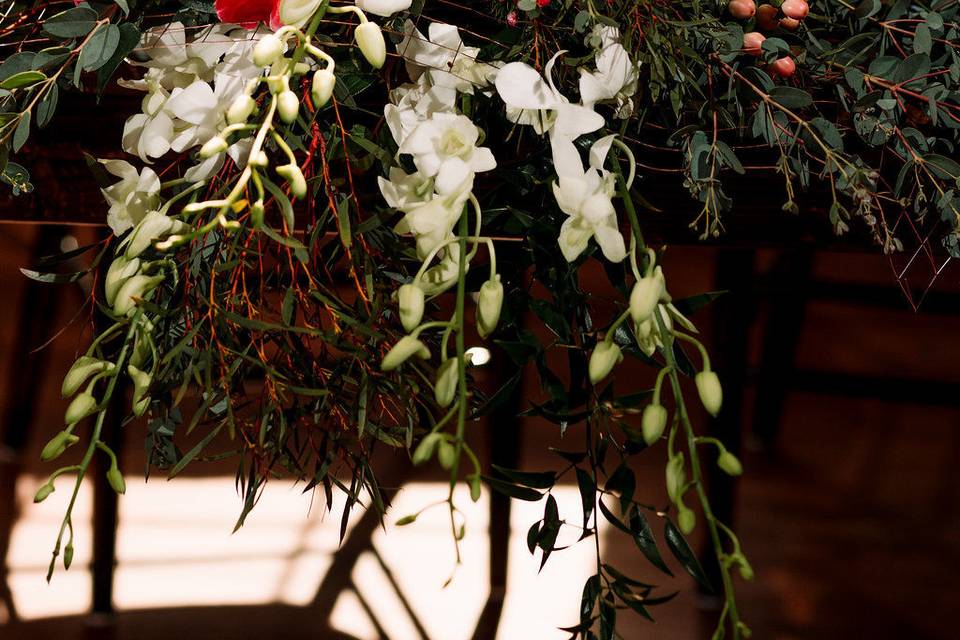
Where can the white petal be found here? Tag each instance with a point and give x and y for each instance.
(566, 158)
(599, 151)
(383, 7)
(192, 104)
(574, 120)
(452, 175)
(611, 243)
(520, 86)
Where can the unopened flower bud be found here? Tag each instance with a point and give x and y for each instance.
(687, 520)
(474, 480)
(115, 478)
(411, 301)
(153, 226)
(141, 384)
(288, 105)
(646, 295)
(82, 369)
(602, 360)
(256, 213)
(133, 290)
(267, 50)
(259, 159)
(80, 407)
(729, 463)
(653, 422)
(746, 571)
(406, 347)
(322, 87)
(57, 445)
(446, 454)
(711, 393)
(213, 147)
(369, 38)
(424, 450)
(405, 520)
(44, 491)
(489, 303)
(445, 387)
(120, 269)
(676, 477)
(68, 555)
(294, 177)
(240, 109)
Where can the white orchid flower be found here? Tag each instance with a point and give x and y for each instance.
(415, 103)
(586, 196)
(403, 191)
(383, 8)
(531, 99)
(182, 62)
(432, 221)
(133, 197)
(443, 58)
(148, 134)
(616, 75)
(444, 147)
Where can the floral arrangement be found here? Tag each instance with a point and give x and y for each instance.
(323, 207)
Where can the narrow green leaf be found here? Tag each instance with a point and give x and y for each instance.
(681, 551)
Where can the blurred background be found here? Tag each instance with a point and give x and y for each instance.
(845, 403)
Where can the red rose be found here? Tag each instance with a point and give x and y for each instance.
(249, 13)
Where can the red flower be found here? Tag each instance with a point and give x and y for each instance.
(249, 13)
(542, 3)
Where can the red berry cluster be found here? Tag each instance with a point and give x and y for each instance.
(768, 18)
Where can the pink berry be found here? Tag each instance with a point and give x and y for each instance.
(752, 42)
(796, 9)
(789, 24)
(742, 9)
(512, 19)
(784, 67)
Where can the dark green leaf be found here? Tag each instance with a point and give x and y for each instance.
(514, 491)
(681, 551)
(72, 23)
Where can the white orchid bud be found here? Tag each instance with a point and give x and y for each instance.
(267, 50)
(153, 226)
(115, 479)
(141, 384)
(425, 449)
(322, 88)
(81, 407)
(489, 303)
(411, 301)
(288, 105)
(213, 147)
(369, 38)
(240, 109)
(406, 347)
(604, 357)
(445, 388)
(82, 369)
(676, 478)
(653, 422)
(57, 445)
(134, 289)
(711, 393)
(120, 269)
(257, 210)
(44, 491)
(729, 463)
(259, 159)
(646, 294)
(294, 177)
(686, 519)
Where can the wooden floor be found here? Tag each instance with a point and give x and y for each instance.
(852, 522)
